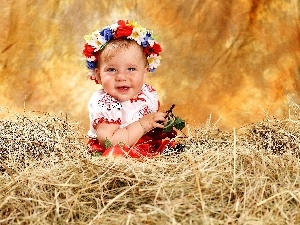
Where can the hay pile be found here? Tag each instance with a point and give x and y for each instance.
(247, 176)
(37, 137)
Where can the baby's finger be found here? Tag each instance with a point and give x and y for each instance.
(161, 117)
(159, 125)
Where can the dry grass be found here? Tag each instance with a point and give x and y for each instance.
(247, 176)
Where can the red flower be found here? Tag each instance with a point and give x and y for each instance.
(88, 50)
(123, 30)
(156, 49)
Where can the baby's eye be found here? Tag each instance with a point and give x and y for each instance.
(111, 70)
(131, 69)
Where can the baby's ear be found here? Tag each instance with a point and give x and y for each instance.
(97, 74)
(147, 69)
(146, 73)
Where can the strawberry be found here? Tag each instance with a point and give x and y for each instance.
(116, 151)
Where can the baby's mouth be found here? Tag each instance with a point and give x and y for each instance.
(123, 88)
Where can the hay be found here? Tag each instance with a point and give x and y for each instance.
(221, 178)
(37, 137)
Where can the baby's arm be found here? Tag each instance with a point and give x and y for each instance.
(132, 133)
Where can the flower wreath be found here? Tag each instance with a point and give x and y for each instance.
(127, 30)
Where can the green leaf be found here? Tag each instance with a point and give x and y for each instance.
(168, 127)
(179, 123)
(107, 143)
(96, 154)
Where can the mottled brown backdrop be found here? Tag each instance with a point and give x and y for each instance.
(233, 59)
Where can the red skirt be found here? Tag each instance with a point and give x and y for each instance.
(145, 147)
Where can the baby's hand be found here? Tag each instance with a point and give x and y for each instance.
(153, 120)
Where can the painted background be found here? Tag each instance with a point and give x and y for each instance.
(234, 59)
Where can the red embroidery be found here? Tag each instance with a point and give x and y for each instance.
(150, 88)
(137, 98)
(95, 79)
(145, 111)
(104, 120)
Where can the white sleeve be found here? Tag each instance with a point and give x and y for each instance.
(102, 108)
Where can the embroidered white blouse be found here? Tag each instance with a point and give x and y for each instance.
(104, 108)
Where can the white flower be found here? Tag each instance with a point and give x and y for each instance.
(153, 61)
(137, 35)
(96, 40)
(151, 42)
(113, 26)
(91, 59)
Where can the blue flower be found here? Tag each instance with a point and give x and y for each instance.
(91, 65)
(106, 34)
(145, 43)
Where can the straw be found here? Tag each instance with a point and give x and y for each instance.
(246, 176)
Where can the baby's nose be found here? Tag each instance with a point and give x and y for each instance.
(120, 77)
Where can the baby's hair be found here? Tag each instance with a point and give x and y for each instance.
(116, 45)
